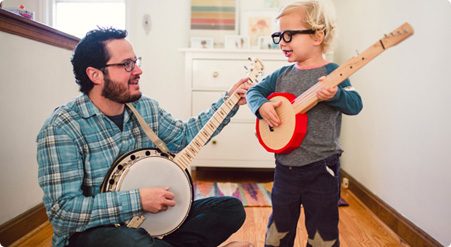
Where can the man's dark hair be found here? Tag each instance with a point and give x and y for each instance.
(92, 52)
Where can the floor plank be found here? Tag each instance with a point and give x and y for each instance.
(358, 225)
(40, 237)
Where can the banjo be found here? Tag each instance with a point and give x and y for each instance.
(292, 112)
(150, 167)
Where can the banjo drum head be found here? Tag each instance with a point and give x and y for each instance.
(158, 171)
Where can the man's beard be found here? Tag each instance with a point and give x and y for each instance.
(118, 92)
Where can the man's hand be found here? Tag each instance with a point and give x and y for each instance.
(241, 91)
(155, 199)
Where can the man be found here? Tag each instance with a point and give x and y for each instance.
(80, 141)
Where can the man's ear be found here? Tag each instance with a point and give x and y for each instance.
(95, 75)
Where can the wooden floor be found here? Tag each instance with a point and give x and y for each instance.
(358, 225)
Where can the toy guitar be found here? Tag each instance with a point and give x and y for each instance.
(292, 112)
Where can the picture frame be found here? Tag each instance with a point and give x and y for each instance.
(266, 43)
(256, 23)
(236, 42)
(223, 19)
(202, 43)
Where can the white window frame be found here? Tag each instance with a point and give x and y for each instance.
(48, 9)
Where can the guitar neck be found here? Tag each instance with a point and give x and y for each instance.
(308, 99)
(184, 157)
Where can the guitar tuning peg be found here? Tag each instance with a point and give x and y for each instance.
(245, 68)
(399, 32)
(385, 35)
(249, 58)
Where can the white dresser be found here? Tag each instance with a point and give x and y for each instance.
(208, 74)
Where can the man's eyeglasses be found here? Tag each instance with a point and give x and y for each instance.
(129, 65)
(288, 35)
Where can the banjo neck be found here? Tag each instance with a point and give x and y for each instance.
(308, 99)
(184, 157)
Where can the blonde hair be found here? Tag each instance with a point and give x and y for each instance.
(317, 17)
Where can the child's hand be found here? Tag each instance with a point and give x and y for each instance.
(269, 114)
(326, 93)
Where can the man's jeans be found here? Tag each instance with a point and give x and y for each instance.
(210, 222)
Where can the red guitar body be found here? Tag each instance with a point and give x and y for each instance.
(290, 133)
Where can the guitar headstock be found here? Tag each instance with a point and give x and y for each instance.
(255, 69)
(397, 35)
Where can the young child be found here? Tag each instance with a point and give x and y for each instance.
(309, 175)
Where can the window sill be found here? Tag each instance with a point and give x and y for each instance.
(17, 25)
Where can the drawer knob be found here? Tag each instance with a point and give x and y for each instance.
(215, 74)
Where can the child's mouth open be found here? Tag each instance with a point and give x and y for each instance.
(287, 52)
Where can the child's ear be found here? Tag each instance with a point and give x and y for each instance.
(95, 75)
(319, 37)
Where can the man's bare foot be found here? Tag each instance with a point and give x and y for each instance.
(239, 244)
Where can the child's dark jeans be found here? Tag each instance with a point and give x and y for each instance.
(316, 187)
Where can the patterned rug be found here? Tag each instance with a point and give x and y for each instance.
(250, 194)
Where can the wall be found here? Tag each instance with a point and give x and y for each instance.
(35, 79)
(398, 146)
(163, 63)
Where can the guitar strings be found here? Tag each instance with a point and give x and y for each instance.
(308, 97)
(185, 156)
(188, 153)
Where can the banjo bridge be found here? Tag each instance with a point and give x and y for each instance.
(136, 221)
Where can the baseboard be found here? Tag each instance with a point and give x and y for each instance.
(404, 228)
(18, 227)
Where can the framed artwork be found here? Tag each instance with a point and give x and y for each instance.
(256, 23)
(236, 42)
(201, 43)
(272, 3)
(213, 15)
(265, 43)
(215, 19)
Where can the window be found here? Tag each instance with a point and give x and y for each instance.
(78, 17)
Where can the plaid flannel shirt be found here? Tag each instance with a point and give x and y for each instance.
(77, 146)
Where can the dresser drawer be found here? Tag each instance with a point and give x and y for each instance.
(202, 101)
(217, 74)
(236, 142)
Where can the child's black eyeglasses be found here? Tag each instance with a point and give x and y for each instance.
(288, 35)
(129, 65)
